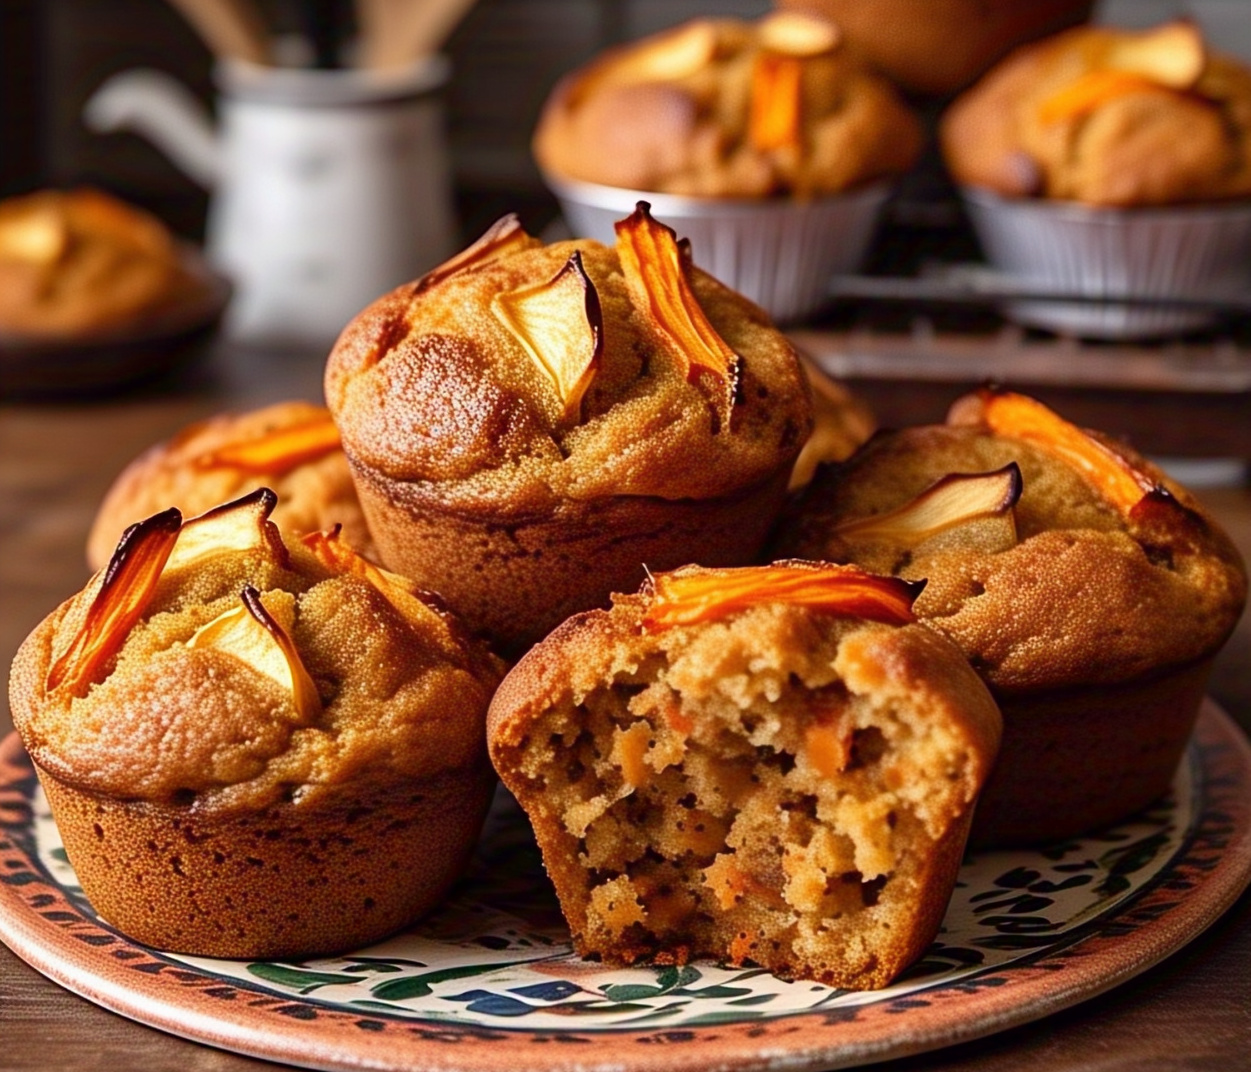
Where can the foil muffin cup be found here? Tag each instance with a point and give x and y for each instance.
(780, 253)
(1194, 252)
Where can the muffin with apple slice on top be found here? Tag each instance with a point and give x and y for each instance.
(255, 749)
(1089, 590)
(772, 763)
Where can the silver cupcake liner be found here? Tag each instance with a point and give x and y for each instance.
(779, 253)
(1180, 252)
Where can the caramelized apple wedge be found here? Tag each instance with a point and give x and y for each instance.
(669, 57)
(795, 33)
(129, 581)
(242, 525)
(655, 270)
(561, 327)
(957, 499)
(685, 597)
(39, 236)
(775, 115)
(278, 452)
(251, 633)
(1170, 55)
(503, 237)
(1015, 416)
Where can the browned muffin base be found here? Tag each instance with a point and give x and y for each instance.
(288, 881)
(1078, 759)
(514, 580)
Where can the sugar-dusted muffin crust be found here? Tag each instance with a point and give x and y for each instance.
(254, 749)
(291, 447)
(80, 262)
(528, 425)
(1107, 117)
(774, 782)
(728, 108)
(1092, 604)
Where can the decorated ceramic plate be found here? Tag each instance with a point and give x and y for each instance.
(489, 981)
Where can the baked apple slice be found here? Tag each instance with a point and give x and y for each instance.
(958, 500)
(241, 525)
(656, 267)
(560, 325)
(684, 597)
(504, 237)
(279, 451)
(252, 634)
(794, 33)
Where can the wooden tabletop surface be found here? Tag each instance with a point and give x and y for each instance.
(56, 460)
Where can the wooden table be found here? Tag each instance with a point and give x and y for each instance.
(1191, 1012)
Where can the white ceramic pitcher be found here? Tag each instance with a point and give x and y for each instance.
(329, 187)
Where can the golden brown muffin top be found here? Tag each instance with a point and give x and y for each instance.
(212, 665)
(522, 375)
(727, 108)
(290, 447)
(744, 634)
(80, 261)
(1085, 565)
(1108, 117)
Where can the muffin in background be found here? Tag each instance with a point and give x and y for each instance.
(1111, 163)
(254, 748)
(774, 764)
(941, 51)
(530, 425)
(768, 144)
(1090, 592)
(82, 263)
(292, 447)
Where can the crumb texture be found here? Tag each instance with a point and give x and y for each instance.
(781, 788)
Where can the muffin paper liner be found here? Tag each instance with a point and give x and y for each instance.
(779, 253)
(1187, 252)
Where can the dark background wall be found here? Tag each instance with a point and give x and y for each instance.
(506, 55)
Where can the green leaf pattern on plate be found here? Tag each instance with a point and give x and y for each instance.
(497, 953)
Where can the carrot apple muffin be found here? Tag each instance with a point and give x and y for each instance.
(771, 764)
(529, 424)
(291, 447)
(81, 262)
(1108, 117)
(255, 748)
(729, 108)
(1089, 590)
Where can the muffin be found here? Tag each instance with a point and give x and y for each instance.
(768, 144)
(291, 447)
(771, 764)
(81, 263)
(255, 749)
(1111, 163)
(530, 424)
(1089, 591)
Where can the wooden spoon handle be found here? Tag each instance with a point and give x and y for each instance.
(398, 32)
(231, 28)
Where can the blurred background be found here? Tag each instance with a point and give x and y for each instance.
(506, 55)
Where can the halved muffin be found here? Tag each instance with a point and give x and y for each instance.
(1089, 590)
(770, 764)
(255, 750)
(528, 425)
(291, 447)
